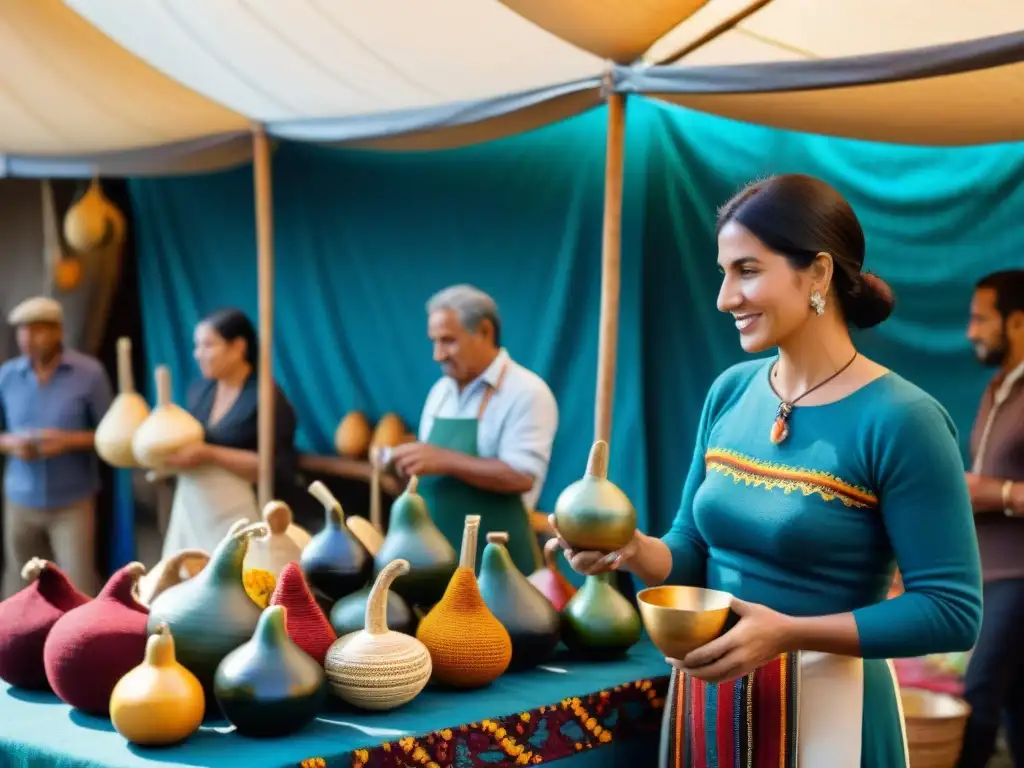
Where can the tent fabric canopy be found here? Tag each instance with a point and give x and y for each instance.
(69, 93)
(163, 86)
(403, 74)
(952, 94)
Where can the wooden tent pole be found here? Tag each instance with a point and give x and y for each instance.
(265, 271)
(611, 260)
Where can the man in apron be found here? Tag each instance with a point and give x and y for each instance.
(994, 684)
(486, 431)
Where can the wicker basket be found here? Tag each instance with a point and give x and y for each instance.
(935, 727)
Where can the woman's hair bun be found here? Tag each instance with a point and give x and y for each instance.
(868, 302)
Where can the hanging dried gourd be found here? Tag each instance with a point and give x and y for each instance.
(91, 221)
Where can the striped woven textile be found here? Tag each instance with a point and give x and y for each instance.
(747, 723)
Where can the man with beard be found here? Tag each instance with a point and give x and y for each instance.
(51, 400)
(486, 431)
(994, 684)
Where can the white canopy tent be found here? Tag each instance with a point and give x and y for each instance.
(73, 101)
(405, 74)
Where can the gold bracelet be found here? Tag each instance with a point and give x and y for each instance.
(1007, 502)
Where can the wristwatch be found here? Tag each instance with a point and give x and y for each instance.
(1007, 501)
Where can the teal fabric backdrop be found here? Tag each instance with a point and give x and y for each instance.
(364, 238)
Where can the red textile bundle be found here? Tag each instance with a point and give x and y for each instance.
(92, 647)
(304, 620)
(27, 617)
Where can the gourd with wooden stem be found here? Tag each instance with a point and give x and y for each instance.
(593, 514)
(210, 615)
(117, 428)
(412, 536)
(377, 668)
(168, 428)
(529, 617)
(269, 687)
(334, 561)
(468, 646)
(159, 702)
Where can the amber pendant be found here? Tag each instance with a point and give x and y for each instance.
(780, 427)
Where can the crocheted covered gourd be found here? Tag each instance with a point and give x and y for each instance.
(93, 646)
(377, 668)
(27, 617)
(469, 647)
(304, 620)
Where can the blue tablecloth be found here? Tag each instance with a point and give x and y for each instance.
(594, 713)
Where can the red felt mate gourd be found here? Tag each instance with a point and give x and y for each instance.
(27, 617)
(93, 646)
(305, 622)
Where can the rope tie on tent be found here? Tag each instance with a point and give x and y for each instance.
(608, 81)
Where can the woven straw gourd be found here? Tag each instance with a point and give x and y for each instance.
(377, 668)
(935, 727)
(468, 646)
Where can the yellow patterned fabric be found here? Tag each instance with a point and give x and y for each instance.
(770, 476)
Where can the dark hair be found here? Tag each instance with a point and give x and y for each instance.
(233, 324)
(1009, 288)
(799, 217)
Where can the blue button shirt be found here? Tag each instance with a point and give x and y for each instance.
(75, 398)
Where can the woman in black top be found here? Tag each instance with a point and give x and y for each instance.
(216, 479)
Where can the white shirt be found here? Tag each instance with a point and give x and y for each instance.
(518, 426)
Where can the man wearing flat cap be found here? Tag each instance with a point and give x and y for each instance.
(51, 400)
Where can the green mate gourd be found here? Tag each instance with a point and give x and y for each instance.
(210, 614)
(269, 687)
(598, 621)
(530, 618)
(413, 537)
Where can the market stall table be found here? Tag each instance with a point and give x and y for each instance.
(580, 713)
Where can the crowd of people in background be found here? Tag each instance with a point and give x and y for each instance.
(485, 439)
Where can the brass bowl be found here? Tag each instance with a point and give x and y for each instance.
(681, 619)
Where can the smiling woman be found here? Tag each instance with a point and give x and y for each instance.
(803, 517)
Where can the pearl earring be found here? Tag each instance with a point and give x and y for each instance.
(818, 302)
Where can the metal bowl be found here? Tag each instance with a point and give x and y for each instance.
(681, 619)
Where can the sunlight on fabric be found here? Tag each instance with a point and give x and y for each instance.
(333, 58)
(811, 29)
(619, 30)
(67, 89)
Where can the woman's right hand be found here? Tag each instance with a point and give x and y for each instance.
(590, 563)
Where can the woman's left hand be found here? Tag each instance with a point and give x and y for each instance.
(188, 457)
(759, 636)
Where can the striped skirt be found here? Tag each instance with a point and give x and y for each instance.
(748, 723)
